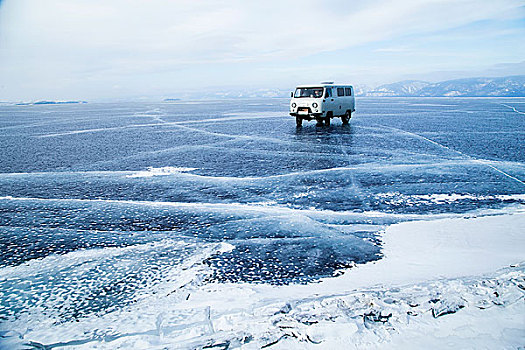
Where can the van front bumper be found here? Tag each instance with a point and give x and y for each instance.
(308, 116)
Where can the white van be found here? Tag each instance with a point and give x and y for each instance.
(322, 102)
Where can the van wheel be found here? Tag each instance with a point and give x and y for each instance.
(346, 118)
(327, 121)
(298, 122)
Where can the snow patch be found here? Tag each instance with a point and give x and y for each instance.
(439, 198)
(163, 171)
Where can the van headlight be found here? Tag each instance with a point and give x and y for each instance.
(294, 105)
(314, 105)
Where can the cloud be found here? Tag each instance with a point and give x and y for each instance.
(394, 49)
(90, 40)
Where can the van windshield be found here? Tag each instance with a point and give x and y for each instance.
(308, 92)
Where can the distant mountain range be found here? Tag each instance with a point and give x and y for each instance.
(509, 86)
(512, 86)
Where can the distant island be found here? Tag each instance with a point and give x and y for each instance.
(171, 99)
(49, 103)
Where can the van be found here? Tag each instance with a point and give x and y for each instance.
(322, 102)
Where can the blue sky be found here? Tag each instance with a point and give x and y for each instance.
(93, 49)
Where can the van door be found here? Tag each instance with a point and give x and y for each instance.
(340, 101)
(328, 105)
(353, 98)
(349, 97)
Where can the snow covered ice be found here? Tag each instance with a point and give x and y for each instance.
(219, 224)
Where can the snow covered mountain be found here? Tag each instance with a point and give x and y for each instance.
(511, 86)
(401, 88)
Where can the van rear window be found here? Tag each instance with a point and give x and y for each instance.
(348, 92)
(340, 91)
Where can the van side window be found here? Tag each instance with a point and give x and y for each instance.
(328, 92)
(340, 91)
(348, 92)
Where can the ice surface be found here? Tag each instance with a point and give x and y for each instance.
(361, 309)
(110, 212)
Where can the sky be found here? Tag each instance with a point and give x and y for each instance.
(115, 49)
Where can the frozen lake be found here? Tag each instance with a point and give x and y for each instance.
(100, 204)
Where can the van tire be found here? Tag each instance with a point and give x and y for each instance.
(346, 118)
(298, 122)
